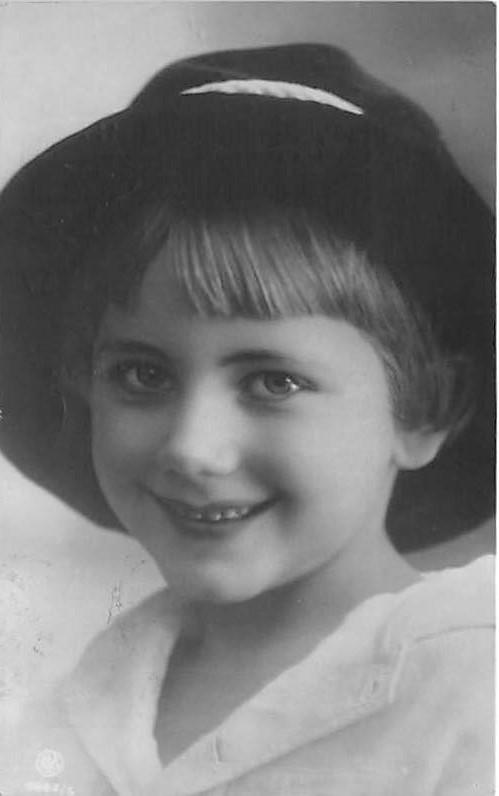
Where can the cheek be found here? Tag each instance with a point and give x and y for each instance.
(122, 443)
(354, 434)
(340, 448)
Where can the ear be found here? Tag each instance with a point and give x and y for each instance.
(415, 449)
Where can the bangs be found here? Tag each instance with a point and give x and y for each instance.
(265, 266)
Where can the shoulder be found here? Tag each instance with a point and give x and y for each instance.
(458, 600)
(146, 630)
(40, 735)
(440, 640)
(441, 636)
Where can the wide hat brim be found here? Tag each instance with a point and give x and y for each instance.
(405, 199)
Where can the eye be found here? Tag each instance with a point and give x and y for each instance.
(273, 385)
(139, 377)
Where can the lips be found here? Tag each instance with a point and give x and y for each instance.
(214, 515)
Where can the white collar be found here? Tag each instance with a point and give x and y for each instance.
(112, 697)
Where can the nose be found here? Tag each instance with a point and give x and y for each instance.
(200, 440)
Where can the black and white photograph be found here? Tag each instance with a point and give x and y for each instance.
(247, 398)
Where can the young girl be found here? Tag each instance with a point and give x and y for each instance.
(270, 288)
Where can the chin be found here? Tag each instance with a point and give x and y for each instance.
(217, 591)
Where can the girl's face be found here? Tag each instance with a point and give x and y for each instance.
(243, 454)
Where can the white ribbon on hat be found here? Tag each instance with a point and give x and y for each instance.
(279, 89)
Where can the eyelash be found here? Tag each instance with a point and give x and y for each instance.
(296, 383)
(119, 374)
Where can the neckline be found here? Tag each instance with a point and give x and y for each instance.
(362, 613)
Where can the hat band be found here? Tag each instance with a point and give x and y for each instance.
(278, 89)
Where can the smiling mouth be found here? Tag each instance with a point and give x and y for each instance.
(215, 515)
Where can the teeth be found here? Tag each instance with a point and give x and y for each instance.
(233, 514)
(211, 515)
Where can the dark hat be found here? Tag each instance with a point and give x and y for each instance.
(299, 124)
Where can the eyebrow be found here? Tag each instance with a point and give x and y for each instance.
(253, 355)
(128, 347)
(139, 347)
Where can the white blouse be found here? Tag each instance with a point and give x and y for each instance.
(398, 700)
